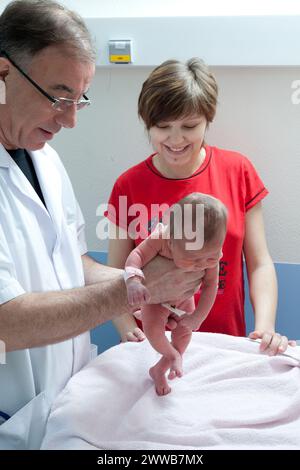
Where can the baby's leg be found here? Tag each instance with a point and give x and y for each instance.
(154, 320)
(157, 373)
(188, 305)
(181, 337)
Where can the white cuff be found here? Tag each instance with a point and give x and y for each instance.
(175, 310)
(131, 272)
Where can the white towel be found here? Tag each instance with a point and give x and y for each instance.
(230, 397)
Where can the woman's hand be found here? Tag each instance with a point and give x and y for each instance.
(135, 336)
(271, 342)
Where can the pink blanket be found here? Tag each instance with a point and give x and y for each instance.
(230, 397)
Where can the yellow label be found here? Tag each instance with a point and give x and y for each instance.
(119, 58)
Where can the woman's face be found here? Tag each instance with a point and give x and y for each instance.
(178, 143)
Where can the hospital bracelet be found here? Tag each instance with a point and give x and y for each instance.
(130, 271)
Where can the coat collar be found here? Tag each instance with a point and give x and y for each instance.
(4, 157)
(50, 183)
(49, 179)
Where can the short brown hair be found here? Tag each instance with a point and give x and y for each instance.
(29, 26)
(175, 89)
(215, 215)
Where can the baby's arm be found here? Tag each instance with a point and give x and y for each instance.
(139, 257)
(209, 289)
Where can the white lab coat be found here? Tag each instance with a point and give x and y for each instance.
(40, 250)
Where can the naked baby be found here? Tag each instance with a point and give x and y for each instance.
(192, 235)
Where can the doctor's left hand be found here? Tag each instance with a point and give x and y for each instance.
(272, 343)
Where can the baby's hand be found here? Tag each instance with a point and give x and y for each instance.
(137, 293)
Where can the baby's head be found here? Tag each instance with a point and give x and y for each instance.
(197, 229)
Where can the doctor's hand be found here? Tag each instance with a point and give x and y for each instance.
(167, 283)
(272, 343)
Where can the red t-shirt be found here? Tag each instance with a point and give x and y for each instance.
(226, 175)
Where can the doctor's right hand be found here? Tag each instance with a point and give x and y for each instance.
(167, 283)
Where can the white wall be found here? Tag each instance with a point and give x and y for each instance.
(219, 40)
(127, 8)
(255, 116)
(267, 34)
(140, 8)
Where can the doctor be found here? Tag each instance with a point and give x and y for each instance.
(51, 292)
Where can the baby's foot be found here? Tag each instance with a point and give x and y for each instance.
(176, 367)
(161, 385)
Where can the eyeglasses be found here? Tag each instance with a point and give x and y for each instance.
(59, 104)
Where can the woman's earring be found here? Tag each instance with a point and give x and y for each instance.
(2, 92)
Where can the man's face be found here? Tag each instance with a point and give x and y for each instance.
(30, 119)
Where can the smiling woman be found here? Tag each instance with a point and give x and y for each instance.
(177, 102)
(179, 144)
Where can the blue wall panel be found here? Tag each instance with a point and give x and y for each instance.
(106, 335)
(288, 314)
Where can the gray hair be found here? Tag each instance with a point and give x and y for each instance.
(29, 26)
